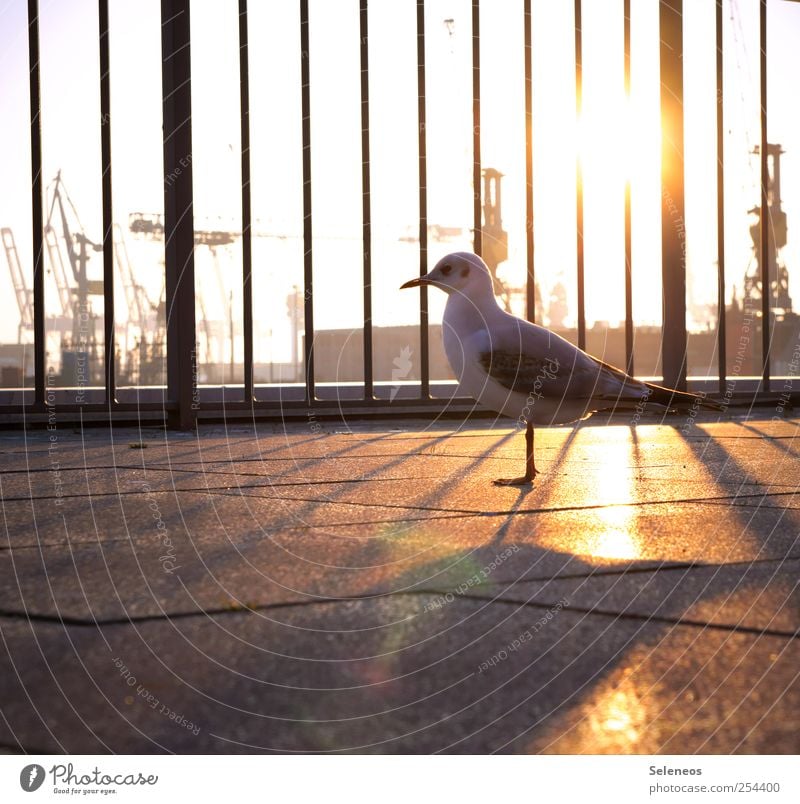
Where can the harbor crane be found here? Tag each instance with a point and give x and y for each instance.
(22, 293)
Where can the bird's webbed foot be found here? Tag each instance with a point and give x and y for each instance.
(525, 480)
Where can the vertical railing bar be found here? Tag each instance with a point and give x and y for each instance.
(108, 244)
(247, 221)
(579, 180)
(530, 283)
(629, 365)
(424, 335)
(673, 229)
(178, 212)
(37, 213)
(476, 128)
(308, 276)
(766, 290)
(366, 206)
(721, 318)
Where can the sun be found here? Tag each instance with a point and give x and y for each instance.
(616, 138)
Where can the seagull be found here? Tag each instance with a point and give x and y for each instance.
(524, 370)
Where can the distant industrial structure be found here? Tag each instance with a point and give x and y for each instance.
(785, 323)
(78, 292)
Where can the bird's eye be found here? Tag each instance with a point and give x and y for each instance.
(465, 271)
(446, 269)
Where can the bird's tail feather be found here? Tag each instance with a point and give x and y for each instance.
(671, 398)
(641, 391)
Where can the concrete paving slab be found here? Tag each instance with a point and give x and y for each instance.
(383, 677)
(112, 558)
(760, 597)
(656, 565)
(653, 459)
(685, 693)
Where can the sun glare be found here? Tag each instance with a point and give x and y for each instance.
(614, 145)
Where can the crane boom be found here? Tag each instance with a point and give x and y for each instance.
(133, 291)
(59, 271)
(23, 295)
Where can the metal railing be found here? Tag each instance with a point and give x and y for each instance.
(179, 401)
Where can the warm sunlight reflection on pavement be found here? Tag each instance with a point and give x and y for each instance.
(619, 717)
(613, 722)
(610, 533)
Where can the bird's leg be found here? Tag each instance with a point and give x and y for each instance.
(530, 467)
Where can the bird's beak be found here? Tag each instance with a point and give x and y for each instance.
(415, 283)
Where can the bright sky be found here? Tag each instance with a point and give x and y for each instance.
(614, 142)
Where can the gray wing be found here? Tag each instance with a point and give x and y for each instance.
(524, 357)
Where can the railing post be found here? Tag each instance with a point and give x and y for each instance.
(424, 334)
(629, 330)
(308, 229)
(366, 202)
(579, 253)
(477, 172)
(108, 244)
(673, 228)
(767, 252)
(178, 216)
(722, 347)
(247, 229)
(37, 223)
(530, 282)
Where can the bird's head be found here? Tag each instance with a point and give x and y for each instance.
(461, 272)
